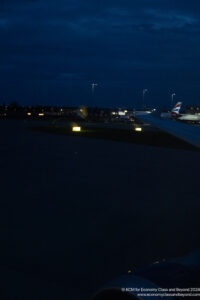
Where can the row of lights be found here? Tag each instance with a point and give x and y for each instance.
(78, 129)
(40, 114)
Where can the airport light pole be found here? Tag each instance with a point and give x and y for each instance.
(172, 100)
(93, 88)
(143, 94)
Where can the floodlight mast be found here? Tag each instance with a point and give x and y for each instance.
(93, 89)
(143, 94)
(172, 99)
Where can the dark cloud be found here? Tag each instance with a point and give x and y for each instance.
(124, 45)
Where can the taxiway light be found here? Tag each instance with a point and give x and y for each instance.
(76, 128)
(138, 129)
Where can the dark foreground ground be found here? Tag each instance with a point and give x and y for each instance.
(76, 212)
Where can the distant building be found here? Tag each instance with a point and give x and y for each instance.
(193, 109)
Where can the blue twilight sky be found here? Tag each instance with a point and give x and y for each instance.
(51, 51)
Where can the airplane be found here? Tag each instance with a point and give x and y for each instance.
(170, 124)
(189, 118)
(174, 113)
(181, 130)
(164, 279)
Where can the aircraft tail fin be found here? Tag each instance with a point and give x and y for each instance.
(176, 109)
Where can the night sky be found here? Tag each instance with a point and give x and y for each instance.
(51, 51)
